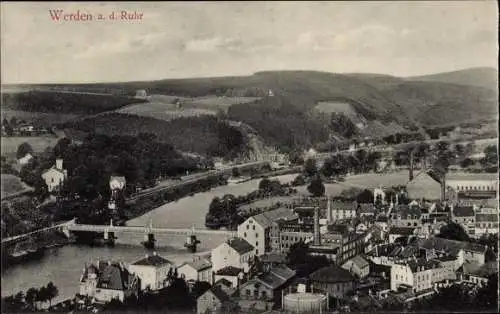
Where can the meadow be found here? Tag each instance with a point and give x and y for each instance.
(12, 185)
(38, 143)
(164, 107)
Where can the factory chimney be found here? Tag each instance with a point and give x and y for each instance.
(317, 239)
(443, 187)
(411, 165)
(328, 210)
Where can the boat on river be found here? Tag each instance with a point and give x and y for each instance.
(237, 180)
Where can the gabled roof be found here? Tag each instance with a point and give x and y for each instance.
(463, 211)
(229, 271)
(54, 169)
(198, 264)
(407, 211)
(240, 245)
(220, 294)
(452, 247)
(113, 276)
(274, 278)
(266, 219)
(120, 179)
(331, 274)
(359, 261)
(153, 260)
(486, 218)
(402, 230)
(422, 264)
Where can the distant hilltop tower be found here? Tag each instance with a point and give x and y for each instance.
(141, 94)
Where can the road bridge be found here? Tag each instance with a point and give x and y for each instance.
(26, 235)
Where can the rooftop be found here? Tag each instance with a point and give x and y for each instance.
(152, 260)
(240, 245)
(266, 219)
(229, 271)
(486, 218)
(331, 274)
(402, 230)
(359, 261)
(463, 211)
(198, 263)
(451, 247)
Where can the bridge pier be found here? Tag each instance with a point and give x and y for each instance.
(109, 238)
(149, 241)
(192, 243)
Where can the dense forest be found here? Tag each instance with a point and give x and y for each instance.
(205, 135)
(56, 102)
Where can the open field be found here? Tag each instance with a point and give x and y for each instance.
(373, 180)
(43, 119)
(268, 202)
(164, 107)
(12, 185)
(38, 143)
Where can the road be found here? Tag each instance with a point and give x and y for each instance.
(391, 148)
(169, 184)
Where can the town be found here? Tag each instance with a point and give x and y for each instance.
(249, 157)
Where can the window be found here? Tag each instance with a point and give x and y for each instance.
(257, 252)
(256, 243)
(256, 293)
(409, 224)
(248, 292)
(256, 235)
(248, 227)
(415, 224)
(253, 227)
(244, 234)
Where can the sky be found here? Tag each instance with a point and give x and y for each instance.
(208, 39)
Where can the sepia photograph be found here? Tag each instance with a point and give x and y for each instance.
(247, 157)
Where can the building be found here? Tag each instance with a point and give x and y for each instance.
(464, 216)
(485, 224)
(25, 159)
(230, 274)
(153, 271)
(343, 210)
(256, 230)
(357, 266)
(463, 251)
(285, 233)
(235, 252)
(406, 216)
(263, 291)
(334, 280)
(366, 210)
(302, 301)
(216, 299)
(199, 269)
(474, 182)
(424, 186)
(400, 232)
(108, 280)
(478, 274)
(116, 185)
(55, 176)
(419, 274)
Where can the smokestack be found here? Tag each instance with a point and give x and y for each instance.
(443, 188)
(317, 239)
(329, 210)
(411, 165)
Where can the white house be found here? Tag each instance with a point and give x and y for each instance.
(25, 159)
(235, 252)
(152, 270)
(55, 176)
(357, 266)
(199, 269)
(256, 230)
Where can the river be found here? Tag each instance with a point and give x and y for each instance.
(63, 266)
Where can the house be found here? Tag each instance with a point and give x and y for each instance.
(105, 281)
(478, 274)
(25, 159)
(55, 176)
(233, 275)
(357, 266)
(264, 290)
(343, 210)
(485, 224)
(257, 229)
(236, 252)
(216, 299)
(417, 274)
(117, 183)
(335, 280)
(199, 269)
(366, 210)
(153, 271)
(464, 216)
(400, 232)
(406, 216)
(423, 186)
(464, 251)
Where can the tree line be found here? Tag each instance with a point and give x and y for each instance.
(30, 300)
